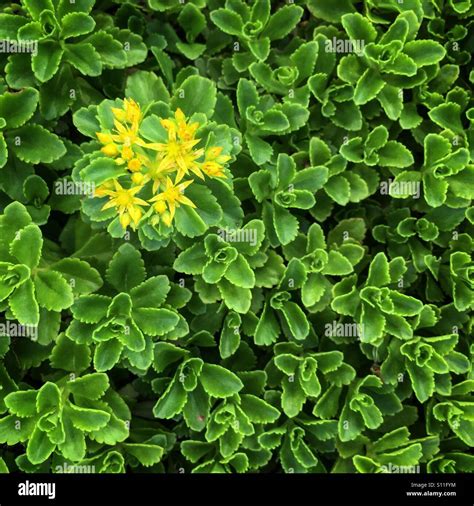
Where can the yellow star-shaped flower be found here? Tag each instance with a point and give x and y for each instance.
(126, 202)
(171, 198)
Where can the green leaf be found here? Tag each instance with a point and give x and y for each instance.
(85, 120)
(17, 108)
(74, 445)
(247, 95)
(79, 274)
(22, 403)
(358, 27)
(368, 87)
(339, 189)
(422, 381)
(151, 293)
(70, 356)
(34, 144)
(258, 410)
(268, 328)
(329, 11)
(90, 308)
(293, 397)
(45, 63)
(240, 273)
(171, 402)
(9, 25)
(218, 381)
(405, 305)
(26, 248)
(84, 58)
(126, 269)
(146, 454)
(107, 354)
(282, 22)
(111, 50)
(91, 386)
(75, 24)
(154, 321)
(228, 21)
(39, 446)
(286, 225)
(48, 399)
(379, 274)
(260, 150)
(230, 336)
(392, 101)
(146, 87)
(373, 324)
(188, 222)
(295, 319)
(35, 8)
(395, 154)
(196, 409)
(52, 291)
(86, 419)
(100, 170)
(235, 297)
(24, 305)
(424, 52)
(448, 116)
(192, 260)
(3, 151)
(65, 6)
(338, 264)
(195, 95)
(192, 21)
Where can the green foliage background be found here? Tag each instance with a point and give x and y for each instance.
(156, 353)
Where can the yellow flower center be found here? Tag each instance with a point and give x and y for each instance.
(174, 148)
(124, 198)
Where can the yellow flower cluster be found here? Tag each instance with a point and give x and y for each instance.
(165, 165)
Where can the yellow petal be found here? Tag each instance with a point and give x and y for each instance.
(184, 200)
(125, 220)
(179, 115)
(127, 153)
(108, 205)
(160, 207)
(117, 185)
(140, 202)
(134, 164)
(137, 178)
(135, 213)
(158, 146)
(213, 153)
(184, 185)
(118, 113)
(196, 170)
(110, 150)
(104, 138)
(167, 218)
(172, 208)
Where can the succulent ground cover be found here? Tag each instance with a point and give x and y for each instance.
(236, 236)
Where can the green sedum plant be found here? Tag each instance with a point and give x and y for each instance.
(236, 237)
